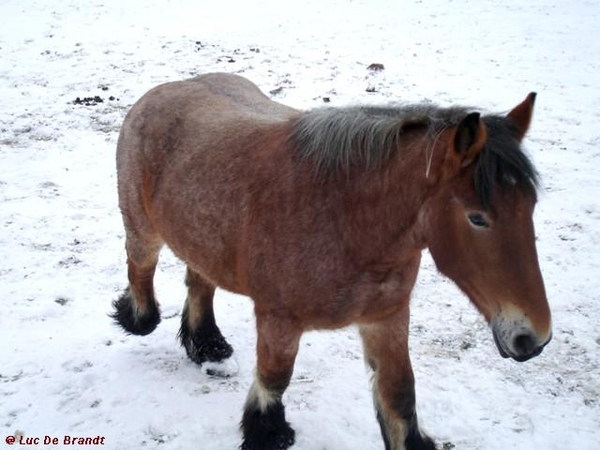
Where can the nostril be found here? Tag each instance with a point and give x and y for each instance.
(524, 344)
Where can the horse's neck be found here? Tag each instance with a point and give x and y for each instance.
(383, 209)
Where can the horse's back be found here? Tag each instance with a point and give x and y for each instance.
(214, 97)
(194, 116)
(244, 96)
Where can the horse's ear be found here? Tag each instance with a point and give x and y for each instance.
(469, 139)
(520, 116)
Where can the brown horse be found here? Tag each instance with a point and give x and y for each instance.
(320, 217)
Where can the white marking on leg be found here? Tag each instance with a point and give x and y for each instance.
(260, 395)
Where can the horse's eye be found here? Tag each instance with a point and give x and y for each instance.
(478, 220)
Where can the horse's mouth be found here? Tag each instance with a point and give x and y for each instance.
(501, 350)
(505, 353)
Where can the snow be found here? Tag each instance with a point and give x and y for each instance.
(67, 370)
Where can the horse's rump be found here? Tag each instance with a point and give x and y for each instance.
(190, 154)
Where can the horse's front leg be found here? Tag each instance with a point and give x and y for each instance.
(263, 424)
(386, 350)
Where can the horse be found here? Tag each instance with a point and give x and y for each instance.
(320, 217)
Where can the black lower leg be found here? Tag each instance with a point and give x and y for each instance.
(205, 342)
(132, 319)
(398, 421)
(415, 440)
(266, 429)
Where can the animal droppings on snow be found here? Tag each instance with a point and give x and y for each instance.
(88, 101)
(376, 67)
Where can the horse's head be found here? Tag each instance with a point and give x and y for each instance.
(479, 227)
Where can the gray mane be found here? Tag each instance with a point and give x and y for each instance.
(338, 139)
(341, 139)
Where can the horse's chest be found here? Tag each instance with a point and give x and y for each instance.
(389, 288)
(374, 294)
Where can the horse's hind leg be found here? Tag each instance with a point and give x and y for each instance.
(137, 310)
(386, 350)
(199, 333)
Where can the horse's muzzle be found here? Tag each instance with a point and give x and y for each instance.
(521, 346)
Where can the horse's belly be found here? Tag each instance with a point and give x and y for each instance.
(204, 231)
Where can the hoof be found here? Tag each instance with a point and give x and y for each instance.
(213, 349)
(266, 430)
(417, 441)
(223, 369)
(270, 441)
(205, 343)
(131, 320)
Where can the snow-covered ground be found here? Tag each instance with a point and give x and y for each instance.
(65, 369)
